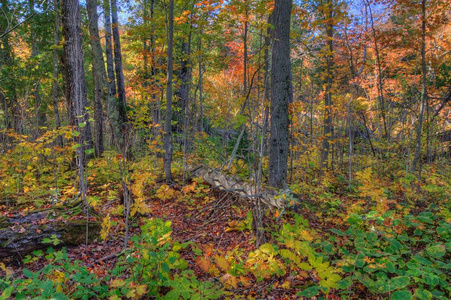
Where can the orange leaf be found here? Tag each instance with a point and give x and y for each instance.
(203, 263)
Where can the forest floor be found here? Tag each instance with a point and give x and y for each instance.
(316, 242)
(216, 222)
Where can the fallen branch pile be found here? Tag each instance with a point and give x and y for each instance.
(218, 180)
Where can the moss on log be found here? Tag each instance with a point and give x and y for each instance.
(20, 235)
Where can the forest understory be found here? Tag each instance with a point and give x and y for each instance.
(194, 240)
(239, 149)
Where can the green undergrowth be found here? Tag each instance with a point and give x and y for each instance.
(151, 267)
(387, 257)
(398, 258)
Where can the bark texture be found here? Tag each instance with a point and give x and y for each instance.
(229, 184)
(76, 85)
(55, 56)
(109, 48)
(98, 70)
(168, 146)
(328, 92)
(281, 94)
(20, 235)
(118, 63)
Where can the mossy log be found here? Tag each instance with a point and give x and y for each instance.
(218, 180)
(20, 235)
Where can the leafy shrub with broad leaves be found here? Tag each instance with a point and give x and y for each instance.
(151, 267)
(59, 279)
(398, 257)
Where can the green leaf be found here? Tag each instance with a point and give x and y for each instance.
(423, 294)
(285, 253)
(399, 282)
(344, 283)
(422, 260)
(359, 263)
(337, 232)
(310, 292)
(401, 295)
(27, 273)
(89, 151)
(395, 245)
(431, 279)
(7, 292)
(267, 248)
(174, 294)
(305, 266)
(436, 251)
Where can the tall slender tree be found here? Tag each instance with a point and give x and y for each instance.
(281, 93)
(39, 102)
(55, 57)
(76, 87)
(329, 53)
(168, 146)
(423, 89)
(118, 63)
(109, 47)
(99, 75)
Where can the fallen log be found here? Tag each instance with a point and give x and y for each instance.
(218, 180)
(20, 235)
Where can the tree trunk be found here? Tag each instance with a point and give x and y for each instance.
(246, 25)
(185, 78)
(20, 235)
(109, 48)
(39, 102)
(423, 88)
(281, 94)
(56, 40)
(99, 74)
(201, 87)
(168, 146)
(328, 93)
(380, 85)
(231, 185)
(118, 64)
(6, 59)
(155, 103)
(76, 86)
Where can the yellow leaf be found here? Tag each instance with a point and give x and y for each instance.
(222, 263)
(106, 226)
(116, 283)
(5, 269)
(286, 285)
(229, 280)
(141, 289)
(245, 281)
(131, 293)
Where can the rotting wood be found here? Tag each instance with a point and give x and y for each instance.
(217, 179)
(20, 235)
